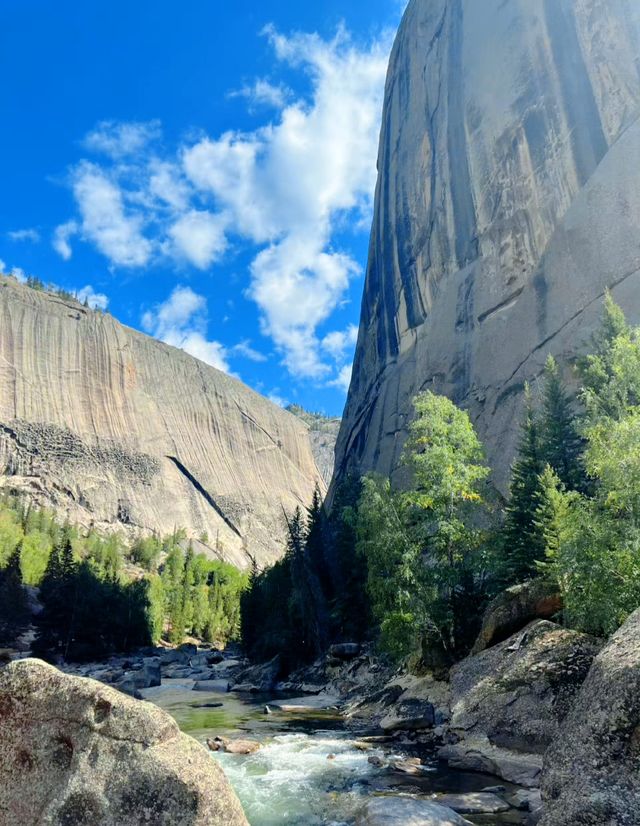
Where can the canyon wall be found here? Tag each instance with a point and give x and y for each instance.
(508, 201)
(116, 429)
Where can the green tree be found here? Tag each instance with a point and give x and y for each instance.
(561, 445)
(14, 612)
(523, 546)
(423, 547)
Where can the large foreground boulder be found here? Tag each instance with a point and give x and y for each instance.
(591, 775)
(74, 752)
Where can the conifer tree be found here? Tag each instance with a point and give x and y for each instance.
(561, 446)
(13, 600)
(523, 544)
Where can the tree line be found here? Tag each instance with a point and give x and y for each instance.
(98, 595)
(415, 568)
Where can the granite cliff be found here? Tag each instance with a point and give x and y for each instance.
(508, 201)
(116, 429)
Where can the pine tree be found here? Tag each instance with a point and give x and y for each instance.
(561, 446)
(522, 543)
(14, 612)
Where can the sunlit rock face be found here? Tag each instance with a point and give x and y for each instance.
(508, 200)
(115, 429)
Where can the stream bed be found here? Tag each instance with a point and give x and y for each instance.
(310, 770)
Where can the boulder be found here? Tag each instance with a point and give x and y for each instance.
(233, 746)
(151, 671)
(344, 650)
(478, 754)
(474, 803)
(409, 715)
(516, 694)
(220, 686)
(515, 608)
(591, 772)
(405, 811)
(259, 678)
(76, 752)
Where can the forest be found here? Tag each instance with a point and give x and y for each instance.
(414, 569)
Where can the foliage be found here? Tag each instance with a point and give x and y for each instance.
(424, 547)
(185, 594)
(522, 546)
(561, 445)
(285, 610)
(13, 600)
(593, 541)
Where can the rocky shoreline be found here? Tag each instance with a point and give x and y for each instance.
(552, 714)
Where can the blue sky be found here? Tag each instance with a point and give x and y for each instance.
(203, 169)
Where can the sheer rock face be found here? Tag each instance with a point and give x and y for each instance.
(117, 429)
(508, 200)
(76, 752)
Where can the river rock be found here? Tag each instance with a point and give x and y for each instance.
(240, 746)
(409, 715)
(591, 775)
(478, 754)
(405, 811)
(151, 668)
(516, 607)
(76, 752)
(473, 803)
(507, 202)
(345, 650)
(259, 678)
(516, 693)
(220, 686)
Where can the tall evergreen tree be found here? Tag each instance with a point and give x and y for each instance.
(14, 612)
(523, 544)
(561, 445)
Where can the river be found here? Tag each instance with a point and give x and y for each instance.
(311, 770)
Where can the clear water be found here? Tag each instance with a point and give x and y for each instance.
(309, 770)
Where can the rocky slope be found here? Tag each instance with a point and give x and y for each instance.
(117, 429)
(323, 433)
(507, 202)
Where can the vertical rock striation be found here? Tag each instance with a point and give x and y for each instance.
(115, 428)
(508, 200)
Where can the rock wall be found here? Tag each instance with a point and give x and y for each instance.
(508, 200)
(117, 429)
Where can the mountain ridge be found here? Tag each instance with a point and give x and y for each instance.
(121, 430)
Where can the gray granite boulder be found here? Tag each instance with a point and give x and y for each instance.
(78, 753)
(591, 775)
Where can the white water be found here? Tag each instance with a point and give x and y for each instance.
(292, 781)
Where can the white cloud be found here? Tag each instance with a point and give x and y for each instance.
(167, 183)
(61, 236)
(289, 185)
(31, 235)
(338, 342)
(244, 348)
(264, 93)
(97, 301)
(117, 140)
(275, 398)
(182, 322)
(105, 221)
(200, 237)
(285, 191)
(343, 378)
